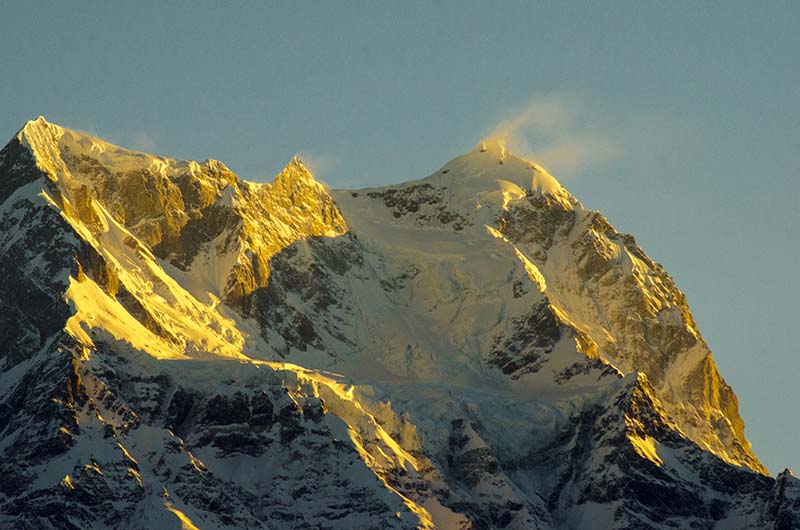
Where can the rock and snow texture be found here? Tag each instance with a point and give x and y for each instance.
(180, 348)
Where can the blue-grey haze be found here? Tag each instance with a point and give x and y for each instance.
(686, 125)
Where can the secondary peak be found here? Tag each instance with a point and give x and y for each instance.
(294, 173)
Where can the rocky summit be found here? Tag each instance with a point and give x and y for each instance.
(183, 349)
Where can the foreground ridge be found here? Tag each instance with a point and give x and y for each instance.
(475, 349)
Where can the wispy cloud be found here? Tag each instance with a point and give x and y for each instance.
(319, 164)
(142, 141)
(555, 131)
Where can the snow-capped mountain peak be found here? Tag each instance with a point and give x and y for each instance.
(472, 349)
(491, 167)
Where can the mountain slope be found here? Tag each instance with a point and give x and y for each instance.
(470, 350)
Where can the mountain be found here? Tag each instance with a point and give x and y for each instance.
(180, 348)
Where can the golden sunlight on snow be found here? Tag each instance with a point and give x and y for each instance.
(186, 523)
(646, 448)
(95, 309)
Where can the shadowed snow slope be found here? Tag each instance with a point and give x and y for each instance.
(180, 348)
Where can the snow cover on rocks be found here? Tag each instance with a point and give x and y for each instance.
(474, 349)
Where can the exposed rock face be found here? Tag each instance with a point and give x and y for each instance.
(609, 290)
(623, 306)
(37, 254)
(180, 348)
(423, 202)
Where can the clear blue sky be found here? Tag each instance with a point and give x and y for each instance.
(679, 121)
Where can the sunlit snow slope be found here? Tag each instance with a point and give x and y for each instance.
(180, 348)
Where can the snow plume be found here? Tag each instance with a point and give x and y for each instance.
(553, 131)
(142, 141)
(317, 163)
